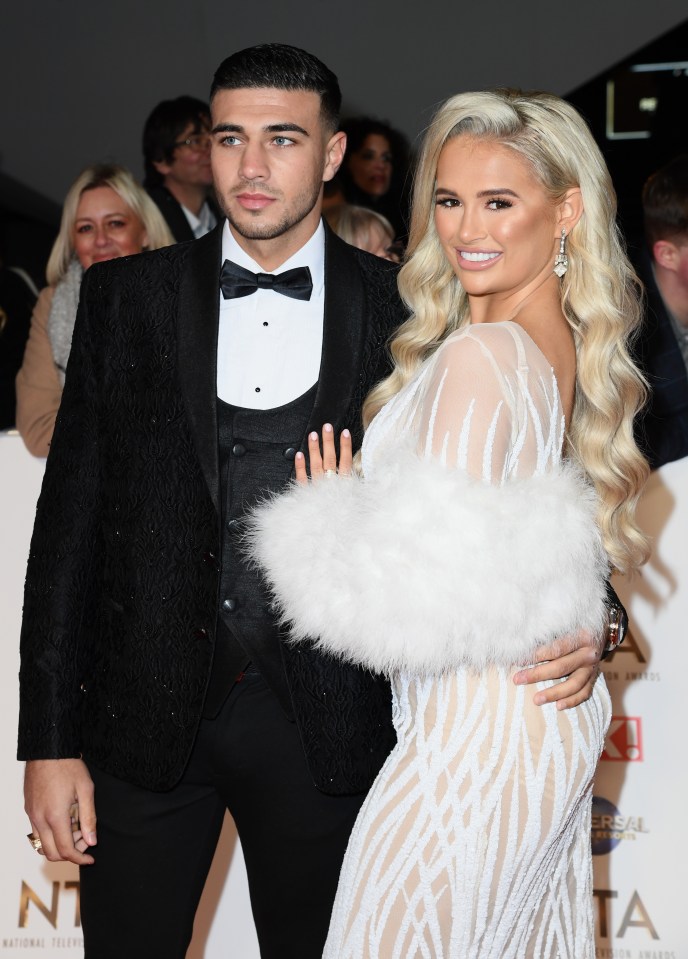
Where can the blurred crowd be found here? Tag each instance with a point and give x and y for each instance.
(107, 213)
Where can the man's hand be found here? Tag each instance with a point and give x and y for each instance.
(51, 789)
(573, 659)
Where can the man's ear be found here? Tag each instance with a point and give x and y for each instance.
(162, 167)
(334, 154)
(569, 211)
(666, 254)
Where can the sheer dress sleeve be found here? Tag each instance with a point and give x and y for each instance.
(491, 407)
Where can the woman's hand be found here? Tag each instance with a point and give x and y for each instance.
(325, 463)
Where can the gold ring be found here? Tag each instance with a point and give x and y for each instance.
(35, 841)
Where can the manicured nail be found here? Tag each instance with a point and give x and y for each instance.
(313, 437)
(327, 427)
(299, 456)
(346, 433)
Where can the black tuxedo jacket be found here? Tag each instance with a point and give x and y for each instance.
(122, 583)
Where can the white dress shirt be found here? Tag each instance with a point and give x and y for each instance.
(201, 224)
(269, 345)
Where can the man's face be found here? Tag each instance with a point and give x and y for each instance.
(190, 163)
(270, 156)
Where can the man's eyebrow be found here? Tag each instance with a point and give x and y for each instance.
(270, 128)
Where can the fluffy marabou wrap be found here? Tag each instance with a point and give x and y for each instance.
(425, 569)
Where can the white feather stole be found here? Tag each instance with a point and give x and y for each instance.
(424, 569)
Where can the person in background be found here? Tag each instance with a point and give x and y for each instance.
(662, 348)
(18, 296)
(176, 153)
(106, 214)
(374, 171)
(365, 229)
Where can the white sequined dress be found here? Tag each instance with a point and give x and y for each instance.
(444, 568)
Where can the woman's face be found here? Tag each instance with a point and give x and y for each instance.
(105, 227)
(370, 166)
(497, 225)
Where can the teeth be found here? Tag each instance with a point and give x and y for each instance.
(477, 257)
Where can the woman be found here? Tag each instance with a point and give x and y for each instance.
(365, 229)
(374, 170)
(500, 483)
(106, 214)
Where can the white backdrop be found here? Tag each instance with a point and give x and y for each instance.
(641, 789)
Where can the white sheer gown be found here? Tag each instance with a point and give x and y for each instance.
(474, 841)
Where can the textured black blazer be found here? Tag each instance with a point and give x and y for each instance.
(121, 600)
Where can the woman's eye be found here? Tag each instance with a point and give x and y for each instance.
(447, 202)
(499, 204)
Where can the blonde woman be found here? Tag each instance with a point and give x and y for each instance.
(498, 488)
(106, 214)
(363, 228)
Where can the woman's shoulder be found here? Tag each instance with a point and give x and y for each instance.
(506, 344)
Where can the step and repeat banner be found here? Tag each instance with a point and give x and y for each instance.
(639, 841)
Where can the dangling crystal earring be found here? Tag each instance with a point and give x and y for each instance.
(561, 261)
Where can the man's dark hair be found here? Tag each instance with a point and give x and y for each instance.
(165, 124)
(665, 202)
(281, 67)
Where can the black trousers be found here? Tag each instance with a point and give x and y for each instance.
(154, 850)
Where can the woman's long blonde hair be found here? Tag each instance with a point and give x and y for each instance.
(600, 293)
(119, 179)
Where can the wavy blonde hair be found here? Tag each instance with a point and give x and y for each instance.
(600, 294)
(119, 179)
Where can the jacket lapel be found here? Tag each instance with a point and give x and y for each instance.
(344, 333)
(197, 323)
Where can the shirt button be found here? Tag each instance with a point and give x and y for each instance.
(289, 453)
(232, 525)
(238, 449)
(229, 605)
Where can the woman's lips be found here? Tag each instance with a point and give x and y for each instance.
(477, 259)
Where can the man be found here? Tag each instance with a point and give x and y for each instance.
(178, 175)
(663, 342)
(152, 667)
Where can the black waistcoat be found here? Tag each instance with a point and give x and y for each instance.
(257, 449)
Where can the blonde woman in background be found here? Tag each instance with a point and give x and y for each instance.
(499, 485)
(366, 229)
(106, 214)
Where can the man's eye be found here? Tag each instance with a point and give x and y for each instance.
(229, 140)
(282, 141)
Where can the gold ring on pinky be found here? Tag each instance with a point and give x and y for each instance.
(35, 841)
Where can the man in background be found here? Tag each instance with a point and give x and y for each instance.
(178, 176)
(663, 343)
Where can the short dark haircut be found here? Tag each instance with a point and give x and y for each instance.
(165, 124)
(280, 67)
(665, 202)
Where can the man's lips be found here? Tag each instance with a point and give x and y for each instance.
(254, 201)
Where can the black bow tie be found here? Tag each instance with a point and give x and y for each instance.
(236, 281)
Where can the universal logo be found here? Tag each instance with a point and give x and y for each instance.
(624, 742)
(609, 827)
